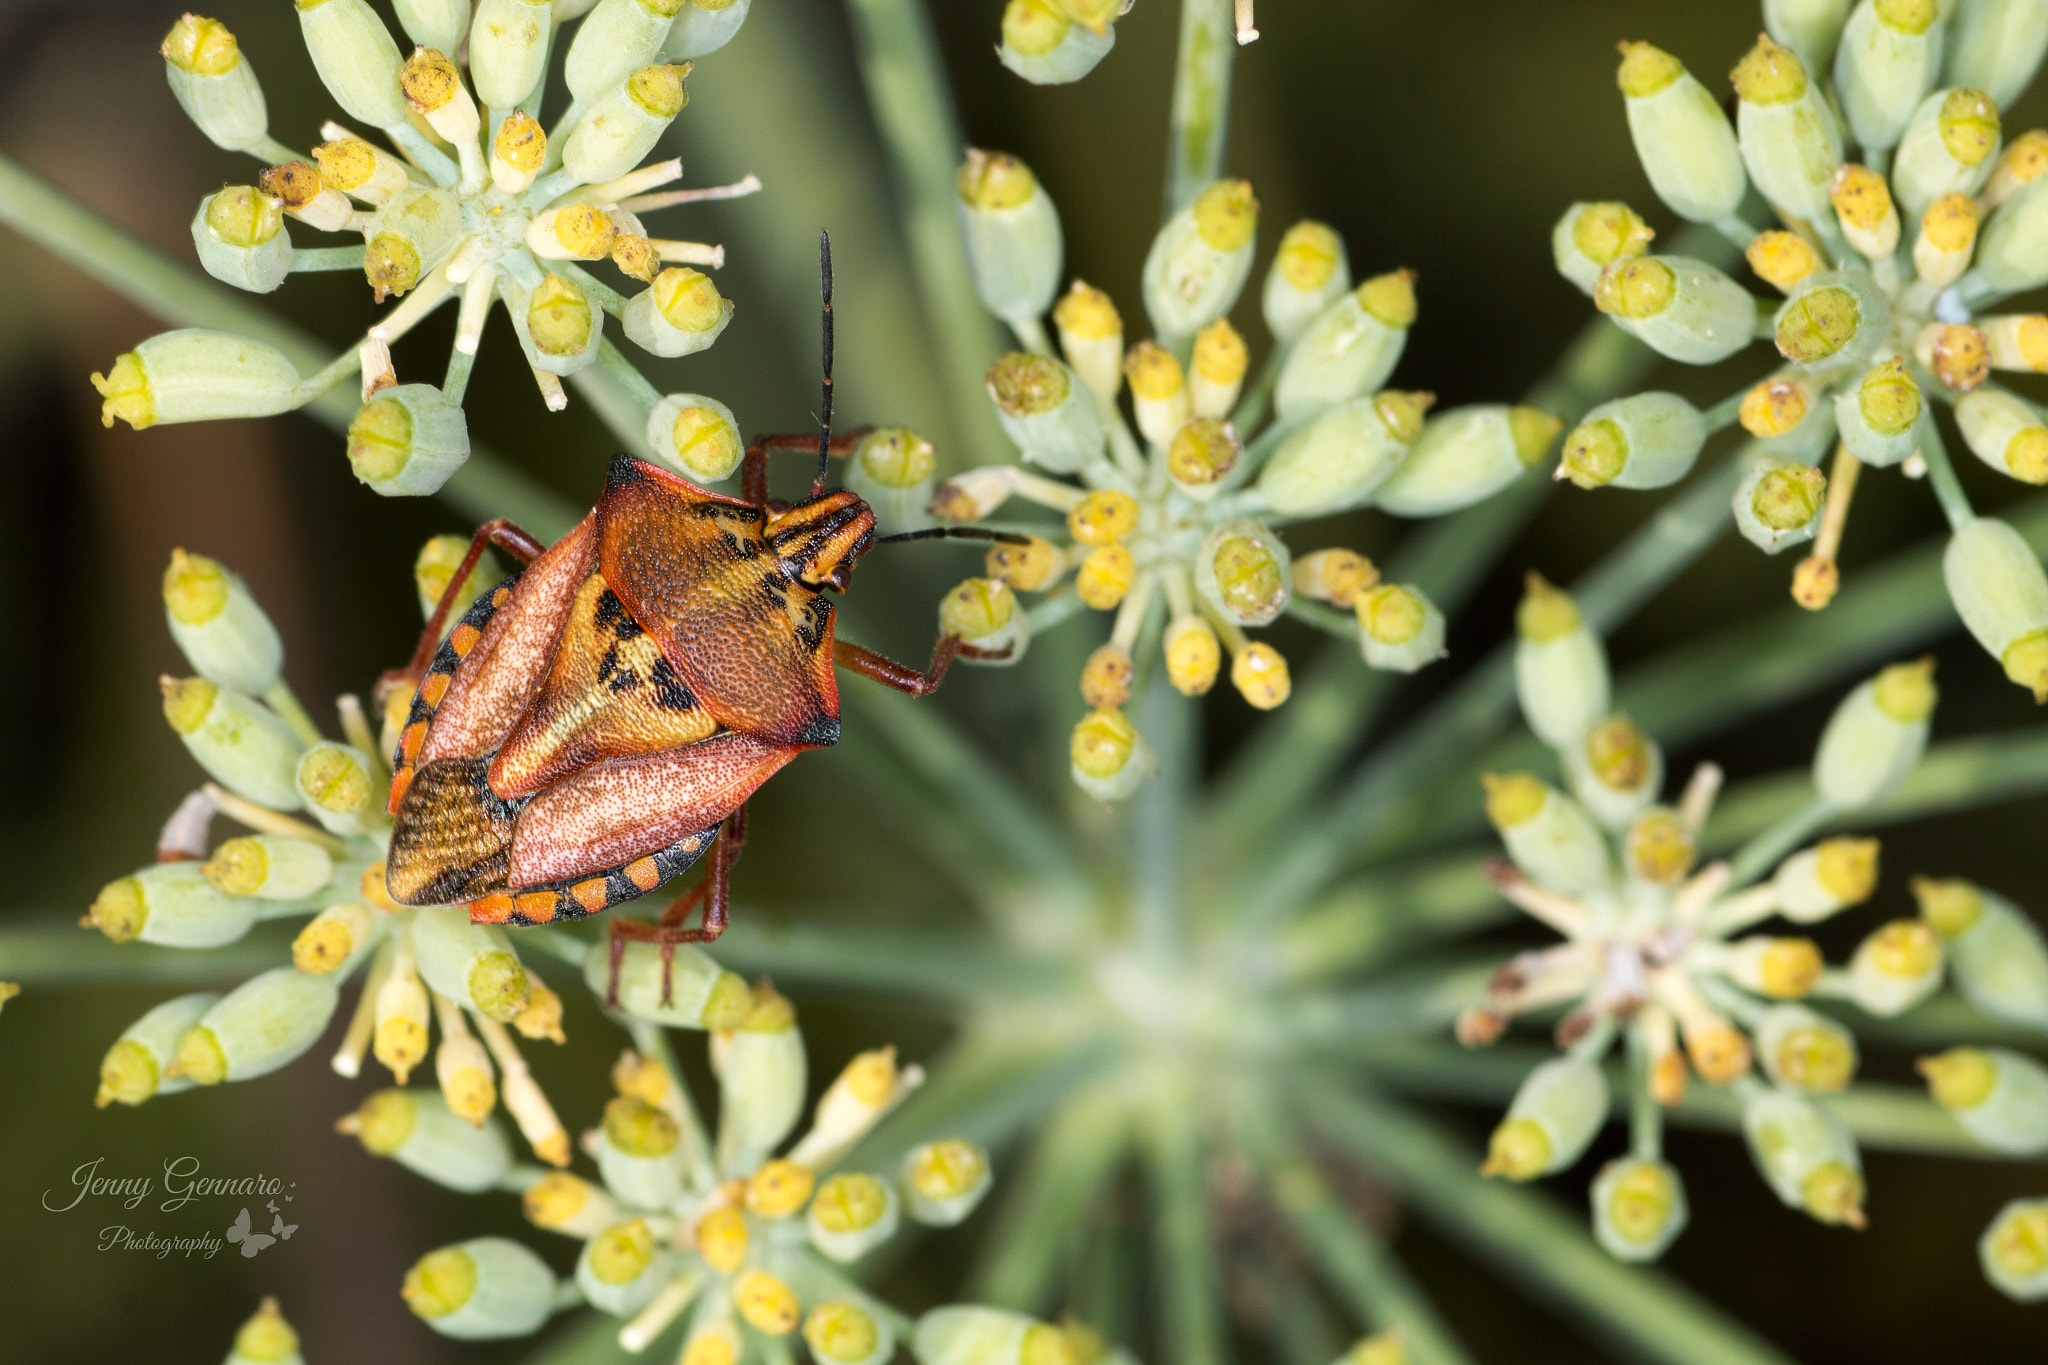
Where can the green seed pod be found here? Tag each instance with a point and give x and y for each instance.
(1681, 136)
(1044, 45)
(1466, 455)
(133, 1069)
(1805, 1051)
(985, 614)
(1810, 28)
(353, 53)
(1876, 736)
(699, 994)
(1242, 570)
(639, 1153)
(625, 121)
(337, 783)
(1805, 1154)
(622, 1267)
(2001, 593)
(2014, 1250)
(408, 441)
(1639, 1208)
(240, 237)
(240, 742)
(1616, 771)
(1895, 968)
(1399, 628)
(266, 1022)
(1833, 875)
(843, 1331)
(761, 1068)
(196, 375)
(1647, 440)
(680, 313)
(1787, 134)
(1553, 1119)
(892, 468)
(1012, 233)
(1679, 307)
(616, 38)
(218, 625)
(438, 24)
(418, 1130)
(1950, 145)
(2006, 432)
(1999, 1096)
(1779, 501)
(214, 84)
(851, 1214)
(1309, 273)
(1996, 954)
(697, 435)
(1343, 455)
(508, 50)
(272, 867)
(1548, 834)
(1349, 348)
(1889, 57)
(969, 1334)
(1591, 237)
(1108, 757)
(704, 26)
(1561, 673)
(1053, 419)
(1995, 46)
(1836, 318)
(471, 964)
(2012, 249)
(559, 326)
(944, 1181)
(481, 1290)
(1878, 418)
(1200, 261)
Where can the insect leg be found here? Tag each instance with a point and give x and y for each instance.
(713, 893)
(903, 677)
(754, 467)
(501, 533)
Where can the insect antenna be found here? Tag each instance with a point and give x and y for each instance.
(956, 533)
(825, 409)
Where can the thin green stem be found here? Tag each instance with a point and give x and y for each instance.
(1258, 396)
(1031, 335)
(621, 396)
(275, 153)
(1338, 625)
(1941, 474)
(455, 379)
(1201, 101)
(280, 698)
(333, 372)
(1369, 916)
(307, 260)
(49, 948)
(1158, 824)
(841, 950)
(1772, 843)
(1183, 1234)
(1723, 414)
(1073, 1160)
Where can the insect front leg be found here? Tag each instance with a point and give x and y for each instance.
(903, 677)
(754, 467)
(499, 532)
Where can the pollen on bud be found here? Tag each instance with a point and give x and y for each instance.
(1109, 758)
(1817, 324)
(1788, 497)
(1775, 406)
(843, 1333)
(1518, 1150)
(1259, 672)
(1105, 575)
(1202, 454)
(1781, 259)
(332, 937)
(1219, 364)
(1106, 677)
(1719, 1051)
(943, 1181)
(559, 317)
(1193, 655)
(1957, 353)
(1590, 237)
(1028, 567)
(202, 47)
(766, 1302)
(1335, 576)
(1639, 1208)
(1659, 847)
(1895, 968)
(518, 149)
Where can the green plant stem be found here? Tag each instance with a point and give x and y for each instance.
(40, 948)
(1774, 841)
(1361, 919)
(1158, 824)
(840, 948)
(1073, 1160)
(1188, 1279)
(1941, 474)
(308, 259)
(1338, 625)
(620, 395)
(1302, 1331)
(913, 108)
(1528, 1238)
(1201, 101)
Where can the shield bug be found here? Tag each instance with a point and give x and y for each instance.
(595, 723)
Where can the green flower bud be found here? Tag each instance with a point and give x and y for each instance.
(1200, 260)
(701, 29)
(408, 236)
(625, 121)
(1108, 756)
(1996, 954)
(1012, 234)
(892, 468)
(1044, 45)
(266, 1022)
(353, 167)
(471, 964)
(1561, 673)
(1242, 570)
(214, 84)
(1343, 455)
(1647, 440)
(699, 995)
(850, 1214)
(843, 1332)
(1832, 875)
(681, 313)
(1201, 456)
(240, 237)
(1779, 501)
(1835, 318)
(1787, 133)
(438, 24)
(338, 937)
(1889, 57)
(616, 38)
(266, 1339)
(2006, 432)
(338, 784)
(1399, 628)
(1681, 136)
(196, 375)
(761, 1070)
(353, 53)
(408, 441)
(481, 1290)
(1548, 834)
(1995, 46)
(134, 1068)
(240, 742)
(1810, 28)
(2001, 593)
(1679, 307)
(1591, 237)
(1998, 1095)
(1466, 455)
(1349, 348)
(621, 1268)
(218, 625)
(2012, 249)
(1553, 1119)
(1053, 419)
(1805, 1154)
(273, 867)
(1310, 271)
(697, 435)
(508, 50)
(559, 326)
(1616, 770)
(1639, 1208)
(1876, 736)
(1949, 147)
(943, 1181)
(969, 1334)
(1895, 968)
(638, 1152)
(418, 1130)
(1877, 417)
(1805, 1051)
(2014, 1250)
(984, 613)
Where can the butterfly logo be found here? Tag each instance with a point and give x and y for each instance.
(281, 1229)
(252, 1242)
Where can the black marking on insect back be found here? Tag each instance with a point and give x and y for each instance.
(817, 615)
(669, 689)
(669, 863)
(612, 615)
(625, 472)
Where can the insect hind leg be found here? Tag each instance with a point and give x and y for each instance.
(713, 893)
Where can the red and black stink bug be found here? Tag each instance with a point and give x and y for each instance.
(597, 721)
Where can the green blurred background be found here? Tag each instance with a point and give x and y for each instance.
(1444, 135)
